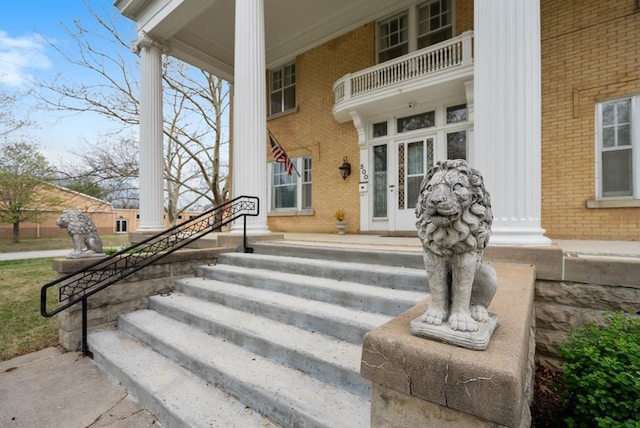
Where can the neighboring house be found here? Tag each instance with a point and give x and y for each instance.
(100, 212)
(542, 96)
(107, 219)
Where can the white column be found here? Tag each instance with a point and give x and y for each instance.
(151, 136)
(507, 116)
(250, 112)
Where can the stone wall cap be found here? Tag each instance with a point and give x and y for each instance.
(487, 384)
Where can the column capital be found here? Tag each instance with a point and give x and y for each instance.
(146, 41)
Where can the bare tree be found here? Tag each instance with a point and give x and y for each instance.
(9, 123)
(111, 165)
(195, 105)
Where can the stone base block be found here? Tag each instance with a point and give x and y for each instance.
(413, 375)
(476, 340)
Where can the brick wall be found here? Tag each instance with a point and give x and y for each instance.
(589, 53)
(312, 130)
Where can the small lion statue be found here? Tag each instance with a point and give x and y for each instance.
(454, 225)
(83, 233)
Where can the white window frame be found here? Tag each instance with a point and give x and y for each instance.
(305, 177)
(441, 27)
(283, 87)
(119, 223)
(412, 20)
(634, 119)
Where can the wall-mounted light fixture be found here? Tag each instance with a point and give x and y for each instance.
(345, 168)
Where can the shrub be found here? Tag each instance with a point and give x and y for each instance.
(602, 373)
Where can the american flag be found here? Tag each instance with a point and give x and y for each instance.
(280, 156)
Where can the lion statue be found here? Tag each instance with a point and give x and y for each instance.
(454, 225)
(83, 233)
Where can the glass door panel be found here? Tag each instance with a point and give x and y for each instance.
(380, 181)
(414, 159)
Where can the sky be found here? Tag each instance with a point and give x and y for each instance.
(27, 30)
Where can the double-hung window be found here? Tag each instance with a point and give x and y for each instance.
(416, 27)
(393, 37)
(618, 148)
(434, 22)
(282, 89)
(291, 192)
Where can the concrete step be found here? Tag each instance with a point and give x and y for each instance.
(279, 335)
(377, 257)
(288, 396)
(344, 269)
(172, 393)
(324, 357)
(342, 292)
(341, 322)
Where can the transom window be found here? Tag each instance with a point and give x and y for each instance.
(282, 89)
(617, 146)
(417, 121)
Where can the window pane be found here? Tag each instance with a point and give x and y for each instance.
(608, 137)
(413, 191)
(276, 80)
(285, 197)
(457, 145)
(418, 121)
(290, 98)
(276, 102)
(307, 170)
(617, 173)
(306, 196)
(380, 181)
(290, 75)
(415, 159)
(608, 114)
(392, 53)
(623, 111)
(457, 113)
(379, 129)
(624, 135)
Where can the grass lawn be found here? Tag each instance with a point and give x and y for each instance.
(22, 328)
(57, 243)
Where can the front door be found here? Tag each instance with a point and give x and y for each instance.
(414, 158)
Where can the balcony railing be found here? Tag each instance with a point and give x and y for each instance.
(450, 54)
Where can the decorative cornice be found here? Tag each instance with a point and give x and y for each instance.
(145, 41)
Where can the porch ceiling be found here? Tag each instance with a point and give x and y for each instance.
(201, 32)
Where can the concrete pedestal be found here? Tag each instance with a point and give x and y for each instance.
(421, 382)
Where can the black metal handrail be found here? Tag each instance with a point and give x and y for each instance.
(78, 286)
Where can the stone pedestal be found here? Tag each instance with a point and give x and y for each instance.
(421, 382)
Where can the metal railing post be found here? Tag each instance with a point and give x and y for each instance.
(85, 345)
(246, 248)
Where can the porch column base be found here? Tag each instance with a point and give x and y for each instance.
(525, 236)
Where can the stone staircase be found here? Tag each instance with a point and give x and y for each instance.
(263, 339)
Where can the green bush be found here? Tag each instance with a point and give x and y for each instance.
(602, 373)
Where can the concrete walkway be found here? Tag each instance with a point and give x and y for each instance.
(52, 388)
(34, 254)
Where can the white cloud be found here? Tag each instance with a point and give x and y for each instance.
(21, 57)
